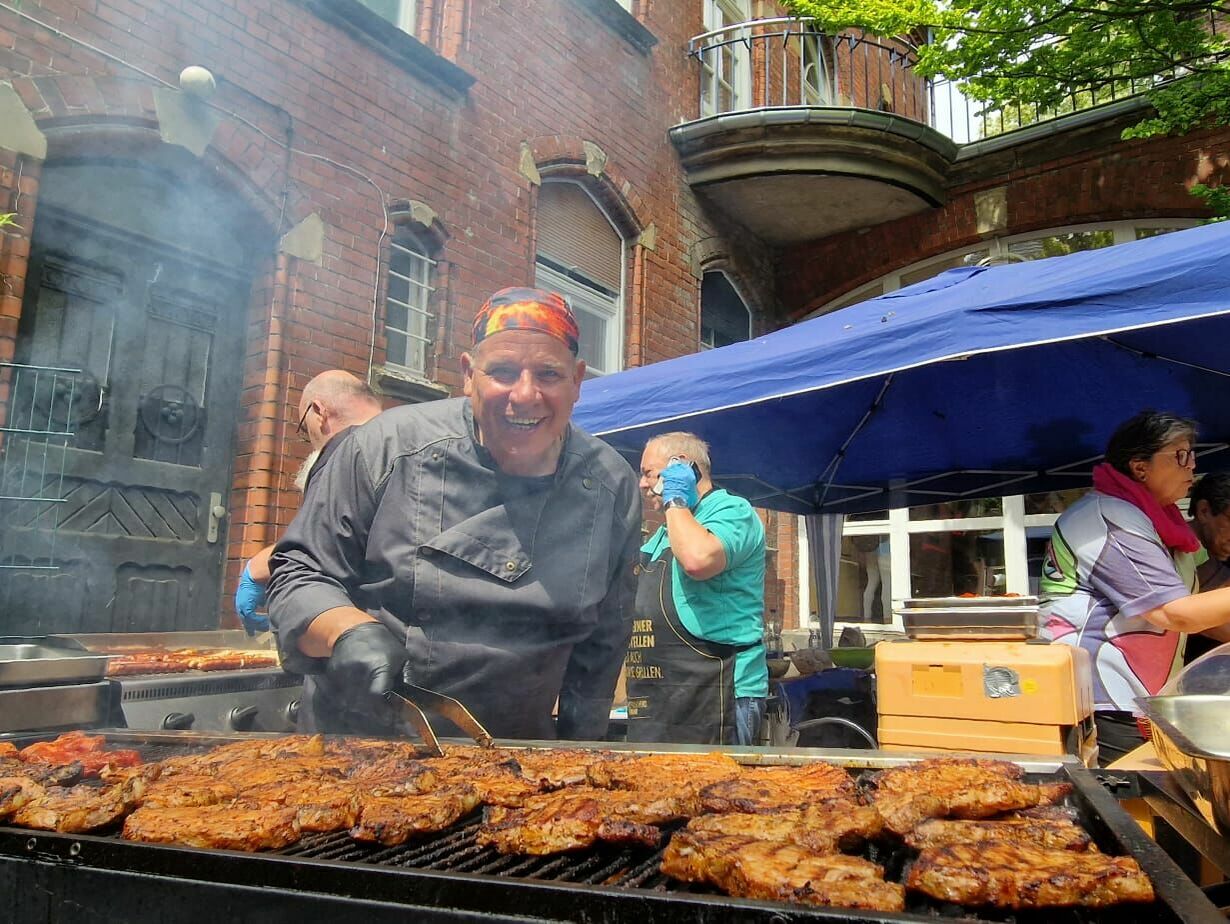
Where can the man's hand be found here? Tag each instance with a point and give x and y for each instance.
(367, 661)
(679, 483)
(248, 597)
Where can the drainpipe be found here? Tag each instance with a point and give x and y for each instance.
(262, 531)
(641, 304)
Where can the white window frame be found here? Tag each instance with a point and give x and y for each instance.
(898, 526)
(720, 14)
(593, 302)
(813, 78)
(421, 289)
(582, 296)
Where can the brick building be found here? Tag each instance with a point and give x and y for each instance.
(365, 173)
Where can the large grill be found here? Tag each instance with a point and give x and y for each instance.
(448, 877)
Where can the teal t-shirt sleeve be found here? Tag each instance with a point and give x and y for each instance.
(737, 527)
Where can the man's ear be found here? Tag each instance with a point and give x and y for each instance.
(467, 374)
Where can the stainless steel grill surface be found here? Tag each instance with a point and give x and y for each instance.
(249, 700)
(449, 877)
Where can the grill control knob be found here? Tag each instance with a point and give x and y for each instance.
(292, 713)
(178, 721)
(242, 718)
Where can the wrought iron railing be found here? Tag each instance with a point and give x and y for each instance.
(40, 412)
(788, 62)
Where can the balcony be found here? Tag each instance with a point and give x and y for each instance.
(802, 134)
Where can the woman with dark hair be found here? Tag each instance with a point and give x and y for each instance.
(1119, 575)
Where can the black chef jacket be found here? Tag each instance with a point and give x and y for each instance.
(509, 592)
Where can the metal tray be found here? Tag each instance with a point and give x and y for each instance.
(965, 603)
(1191, 735)
(44, 660)
(1006, 624)
(213, 638)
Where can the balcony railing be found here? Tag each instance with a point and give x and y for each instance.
(787, 62)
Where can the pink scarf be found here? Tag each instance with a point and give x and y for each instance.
(1168, 522)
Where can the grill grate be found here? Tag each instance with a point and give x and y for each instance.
(633, 872)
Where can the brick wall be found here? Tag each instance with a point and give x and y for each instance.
(1142, 179)
(366, 130)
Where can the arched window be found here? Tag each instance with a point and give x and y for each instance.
(409, 324)
(724, 319)
(580, 254)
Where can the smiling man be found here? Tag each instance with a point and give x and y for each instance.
(480, 546)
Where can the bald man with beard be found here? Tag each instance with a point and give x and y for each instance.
(332, 404)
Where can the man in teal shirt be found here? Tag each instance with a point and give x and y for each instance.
(696, 668)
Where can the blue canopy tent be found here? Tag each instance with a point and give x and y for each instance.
(981, 381)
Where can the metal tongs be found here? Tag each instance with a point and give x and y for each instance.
(412, 700)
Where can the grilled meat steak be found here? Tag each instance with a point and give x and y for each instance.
(41, 772)
(394, 771)
(825, 827)
(80, 808)
(392, 820)
(223, 827)
(249, 772)
(958, 787)
(320, 806)
(16, 792)
(578, 817)
(762, 789)
(186, 789)
(1059, 834)
(777, 871)
(77, 747)
(554, 768)
(1024, 876)
(657, 771)
(499, 782)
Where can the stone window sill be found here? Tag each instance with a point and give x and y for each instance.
(623, 22)
(404, 386)
(386, 39)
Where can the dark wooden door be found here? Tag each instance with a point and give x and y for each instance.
(134, 543)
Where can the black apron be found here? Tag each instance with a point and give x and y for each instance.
(681, 688)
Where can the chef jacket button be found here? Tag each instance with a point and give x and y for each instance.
(510, 566)
(435, 457)
(588, 482)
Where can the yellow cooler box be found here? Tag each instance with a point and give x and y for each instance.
(1009, 697)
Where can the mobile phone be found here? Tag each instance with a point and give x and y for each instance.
(657, 485)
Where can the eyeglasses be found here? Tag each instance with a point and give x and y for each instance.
(300, 429)
(1185, 457)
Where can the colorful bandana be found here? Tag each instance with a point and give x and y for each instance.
(527, 309)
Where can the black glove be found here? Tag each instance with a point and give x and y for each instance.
(367, 661)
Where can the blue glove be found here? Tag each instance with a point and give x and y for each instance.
(679, 482)
(248, 596)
